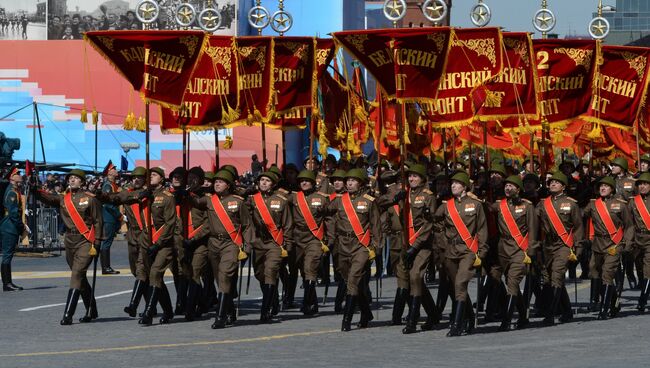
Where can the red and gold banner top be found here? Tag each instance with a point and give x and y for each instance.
(333, 129)
(293, 73)
(157, 63)
(419, 60)
(620, 86)
(565, 70)
(475, 56)
(255, 82)
(512, 93)
(211, 95)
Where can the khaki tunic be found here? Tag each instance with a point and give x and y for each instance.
(556, 253)
(637, 236)
(267, 252)
(308, 247)
(460, 258)
(511, 256)
(222, 252)
(602, 264)
(353, 256)
(163, 213)
(134, 238)
(392, 228)
(76, 245)
(625, 187)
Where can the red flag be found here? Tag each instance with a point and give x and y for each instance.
(29, 168)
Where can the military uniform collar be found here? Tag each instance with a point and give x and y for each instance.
(557, 196)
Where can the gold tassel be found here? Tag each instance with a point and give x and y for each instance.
(477, 261)
(323, 142)
(407, 141)
(84, 115)
(371, 253)
(141, 125)
(95, 116)
(595, 132)
(612, 250)
(228, 143)
(249, 119)
(258, 115)
(353, 145)
(572, 257)
(92, 252)
(527, 259)
(283, 253)
(324, 247)
(242, 255)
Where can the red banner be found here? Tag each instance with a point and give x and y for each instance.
(620, 86)
(475, 57)
(333, 129)
(255, 63)
(565, 69)
(157, 63)
(496, 138)
(513, 93)
(211, 95)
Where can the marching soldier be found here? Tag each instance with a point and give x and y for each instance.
(81, 213)
(639, 234)
(273, 225)
(609, 218)
(518, 229)
(422, 206)
(228, 226)
(356, 231)
(160, 252)
(561, 224)
(195, 250)
(624, 189)
(134, 235)
(336, 189)
(463, 221)
(11, 226)
(180, 268)
(309, 208)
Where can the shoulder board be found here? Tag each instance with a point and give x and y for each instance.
(473, 196)
(369, 197)
(592, 200)
(524, 200)
(444, 201)
(283, 191)
(238, 197)
(621, 200)
(89, 194)
(571, 199)
(427, 191)
(281, 196)
(208, 195)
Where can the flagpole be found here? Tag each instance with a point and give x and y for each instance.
(184, 147)
(148, 169)
(96, 148)
(216, 148)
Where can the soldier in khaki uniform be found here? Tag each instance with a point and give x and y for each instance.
(228, 226)
(336, 189)
(638, 235)
(356, 231)
(609, 218)
(462, 214)
(517, 224)
(195, 250)
(309, 209)
(625, 189)
(81, 213)
(160, 253)
(272, 226)
(422, 206)
(180, 268)
(562, 228)
(134, 234)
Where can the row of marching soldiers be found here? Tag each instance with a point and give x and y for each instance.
(205, 227)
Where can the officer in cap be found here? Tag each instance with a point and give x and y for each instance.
(11, 226)
(337, 188)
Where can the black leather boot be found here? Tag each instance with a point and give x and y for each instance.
(398, 306)
(147, 315)
(275, 302)
(181, 295)
(309, 302)
(341, 290)
(431, 311)
(268, 293)
(456, 326)
(348, 312)
(414, 316)
(7, 284)
(166, 305)
(147, 296)
(231, 317)
(565, 302)
(105, 260)
(468, 322)
(364, 300)
(193, 290)
(510, 310)
(70, 306)
(220, 319)
(91, 305)
(522, 320)
(136, 295)
(594, 297)
(556, 293)
(486, 287)
(628, 261)
(443, 295)
(643, 298)
(607, 302)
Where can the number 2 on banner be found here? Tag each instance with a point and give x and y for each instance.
(542, 64)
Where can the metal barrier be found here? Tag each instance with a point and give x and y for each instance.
(46, 228)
